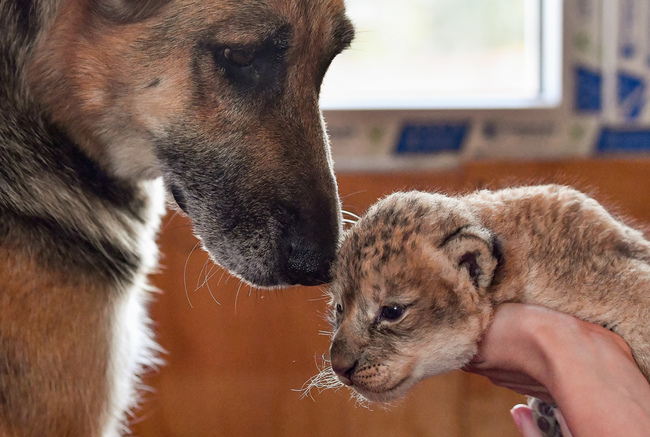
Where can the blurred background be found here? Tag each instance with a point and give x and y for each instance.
(448, 95)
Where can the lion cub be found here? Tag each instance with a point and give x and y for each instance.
(418, 278)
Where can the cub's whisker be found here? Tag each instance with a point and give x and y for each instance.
(326, 379)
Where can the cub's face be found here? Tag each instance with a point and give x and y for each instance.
(408, 295)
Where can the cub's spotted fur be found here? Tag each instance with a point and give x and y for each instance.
(419, 276)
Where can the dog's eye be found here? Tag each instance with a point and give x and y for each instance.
(339, 308)
(239, 57)
(391, 313)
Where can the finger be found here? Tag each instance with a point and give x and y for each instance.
(563, 425)
(523, 417)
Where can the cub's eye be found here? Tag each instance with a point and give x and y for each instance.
(339, 308)
(239, 57)
(391, 313)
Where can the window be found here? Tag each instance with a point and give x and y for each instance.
(419, 54)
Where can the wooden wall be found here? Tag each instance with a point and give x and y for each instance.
(238, 357)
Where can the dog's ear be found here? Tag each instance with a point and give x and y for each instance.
(474, 251)
(127, 11)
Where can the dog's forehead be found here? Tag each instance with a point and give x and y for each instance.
(310, 20)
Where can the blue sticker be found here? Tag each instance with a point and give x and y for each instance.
(623, 140)
(631, 95)
(628, 50)
(432, 138)
(588, 86)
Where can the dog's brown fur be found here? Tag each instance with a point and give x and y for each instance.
(420, 275)
(54, 364)
(103, 104)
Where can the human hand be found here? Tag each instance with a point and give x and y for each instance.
(586, 369)
(510, 354)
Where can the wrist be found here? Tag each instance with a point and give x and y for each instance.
(550, 339)
(589, 372)
(538, 338)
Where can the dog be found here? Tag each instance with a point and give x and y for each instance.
(107, 106)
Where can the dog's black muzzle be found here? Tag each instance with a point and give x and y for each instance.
(309, 257)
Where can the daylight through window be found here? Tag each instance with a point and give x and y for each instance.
(440, 53)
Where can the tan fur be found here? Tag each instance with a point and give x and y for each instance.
(448, 262)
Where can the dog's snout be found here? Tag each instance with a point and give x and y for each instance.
(179, 197)
(307, 263)
(310, 242)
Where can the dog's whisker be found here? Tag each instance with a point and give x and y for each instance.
(171, 220)
(237, 294)
(319, 299)
(198, 280)
(207, 284)
(351, 214)
(209, 275)
(183, 226)
(216, 268)
(222, 275)
(353, 194)
(187, 295)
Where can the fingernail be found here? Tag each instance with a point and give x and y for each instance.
(521, 415)
(516, 416)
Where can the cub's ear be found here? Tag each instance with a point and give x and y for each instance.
(475, 251)
(127, 11)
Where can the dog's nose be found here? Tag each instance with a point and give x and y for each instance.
(310, 242)
(308, 264)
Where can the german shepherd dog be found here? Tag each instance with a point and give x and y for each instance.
(105, 105)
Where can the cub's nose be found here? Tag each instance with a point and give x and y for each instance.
(344, 370)
(342, 364)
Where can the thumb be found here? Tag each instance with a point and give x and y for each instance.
(523, 417)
